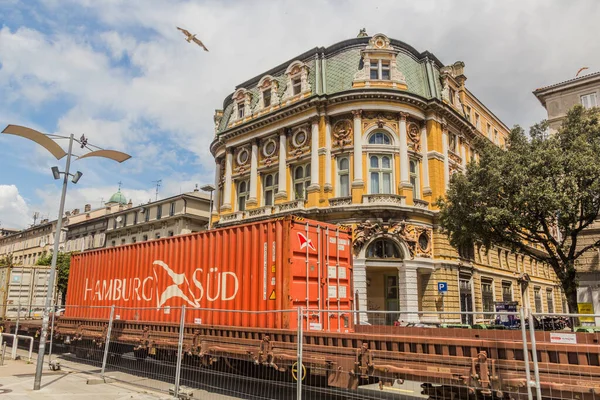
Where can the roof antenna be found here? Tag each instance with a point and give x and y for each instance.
(158, 184)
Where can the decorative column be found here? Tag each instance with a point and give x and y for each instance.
(314, 153)
(313, 191)
(282, 186)
(463, 155)
(252, 198)
(216, 204)
(425, 163)
(357, 139)
(227, 188)
(404, 179)
(445, 153)
(359, 272)
(409, 292)
(328, 186)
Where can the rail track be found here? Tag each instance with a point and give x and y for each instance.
(453, 363)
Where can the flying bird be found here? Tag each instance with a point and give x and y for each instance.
(190, 38)
(580, 69)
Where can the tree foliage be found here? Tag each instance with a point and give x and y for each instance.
(7, 261)
(63, 263)
(536, 197)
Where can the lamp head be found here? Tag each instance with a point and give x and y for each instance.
(55, 173)
(208, 188)
(77, 176)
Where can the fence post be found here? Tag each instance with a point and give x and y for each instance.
(51, 336)
(299, 368)
(536, 370)
(179, 352)
(526, 354)
(107, 342)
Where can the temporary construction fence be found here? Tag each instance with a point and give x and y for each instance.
(506, 355)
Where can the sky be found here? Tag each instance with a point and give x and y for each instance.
(119, 72)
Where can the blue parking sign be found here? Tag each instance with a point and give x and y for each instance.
(442, 287)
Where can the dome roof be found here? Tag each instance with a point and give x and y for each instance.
(118, 198)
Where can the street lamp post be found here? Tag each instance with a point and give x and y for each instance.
(209, 188)
(50, 145)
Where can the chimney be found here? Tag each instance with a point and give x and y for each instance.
(44, 221)
(88, 208)
(67, 213)
(76, 211)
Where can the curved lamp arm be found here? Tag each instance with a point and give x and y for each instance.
(37, 137)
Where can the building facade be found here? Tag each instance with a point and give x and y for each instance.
(366, 133)
(558, 99)
(177, 215)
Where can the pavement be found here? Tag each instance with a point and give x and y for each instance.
(16, 383)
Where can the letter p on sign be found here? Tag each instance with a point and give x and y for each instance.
(442, 287)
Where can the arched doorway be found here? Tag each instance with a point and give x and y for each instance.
(383, 259)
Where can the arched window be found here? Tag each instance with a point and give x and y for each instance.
(343, 177)
(243, 189)
(380, 169)
(270, 188)
(301, 181)
(383, 248)
(380, 138)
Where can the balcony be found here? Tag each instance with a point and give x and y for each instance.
(340, 201)
(236, 216)
(384, 199)
(421, 204)
(259, 212)
(290, 206)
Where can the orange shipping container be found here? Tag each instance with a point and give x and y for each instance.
(234, 276)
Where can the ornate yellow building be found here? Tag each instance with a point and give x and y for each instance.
(367, 133)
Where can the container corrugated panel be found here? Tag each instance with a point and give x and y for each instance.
(27, 288)
(260, 267)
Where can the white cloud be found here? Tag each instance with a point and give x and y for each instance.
(14, 212)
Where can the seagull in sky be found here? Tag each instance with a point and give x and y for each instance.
(190, 38)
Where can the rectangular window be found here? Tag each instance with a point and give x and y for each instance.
(414, 178)
(489, 131)
(170, 233)
(589, 100)
(123, 241)
(172, 209)
(135, 217)
(380, 168)
(477, 122)
(157, 235)
(468, 113)
(487, 295)
(452, 94)
(113, 243)
(147, 215)
(270, 185)
(374, 68)
(145, 237)
(495, 136)
(267, 98)
(159, 211)
(133, 239)
(296, 85)
(243, 192)
(301, 181)
(550, 300)
(241, 109)
(115, 223)
(385, 70)
(506, 291)
(537, 296)
(343, 177)
(124, 219)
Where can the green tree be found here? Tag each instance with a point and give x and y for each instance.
(536, 197)
(7, 261)
(63, 263)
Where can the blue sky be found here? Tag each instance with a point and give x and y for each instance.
(119, 72)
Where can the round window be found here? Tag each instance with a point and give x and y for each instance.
(424, 241)
(243, 156)
(269, 148)
(299, 138)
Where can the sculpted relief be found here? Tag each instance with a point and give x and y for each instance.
(417, 238)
